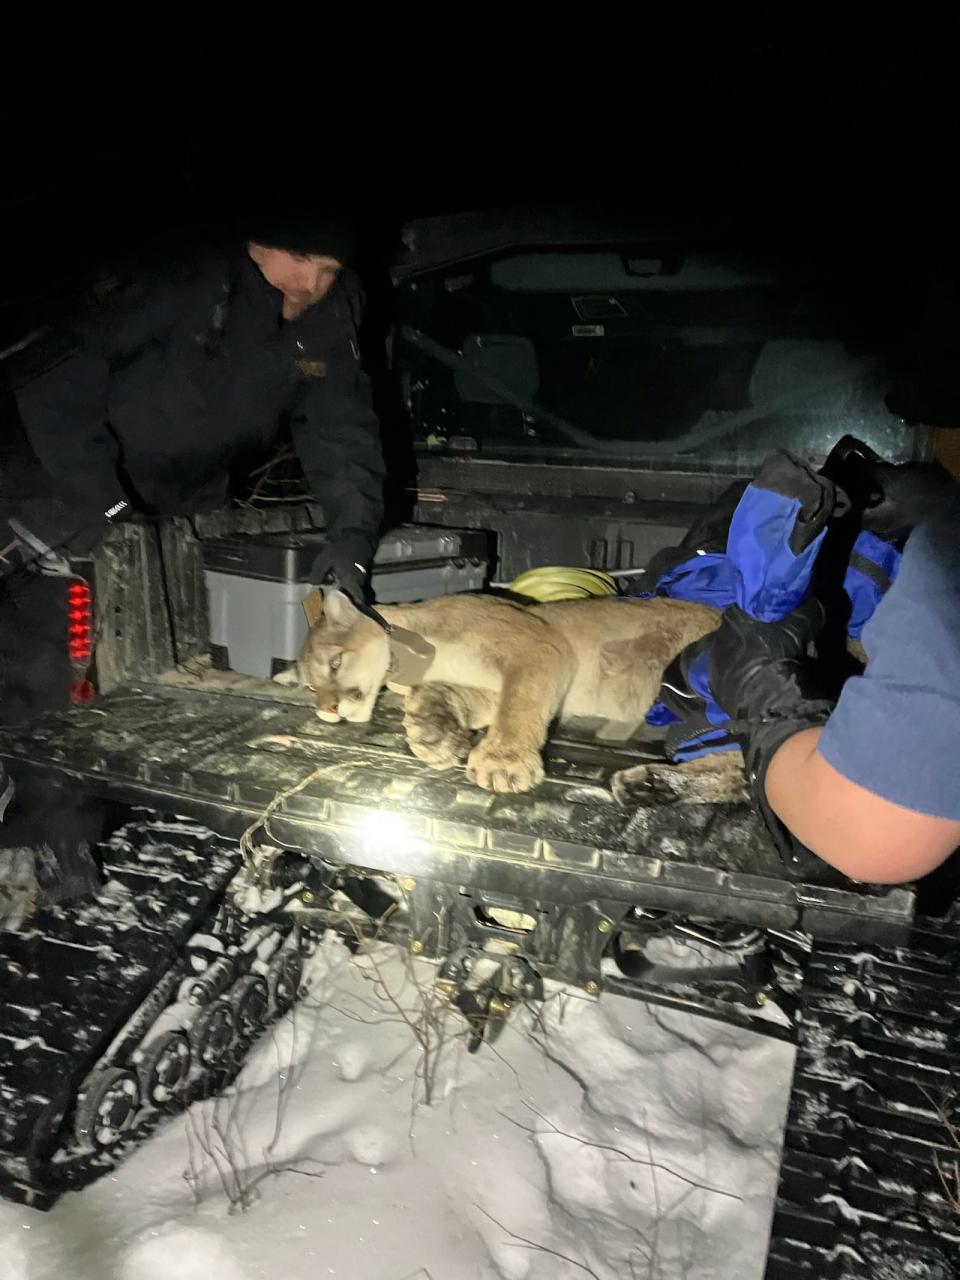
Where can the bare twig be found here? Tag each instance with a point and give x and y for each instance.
(216, 1132)
(292, 499)
(210, 1137)
(948, 1170)
(563, 1066)
(492, 1048)
(426, 1021)
(655, 1244)
(618, 1151)
(540, 1248)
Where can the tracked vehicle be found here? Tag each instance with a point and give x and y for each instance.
(237, 828)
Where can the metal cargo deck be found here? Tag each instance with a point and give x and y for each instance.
(222, 749)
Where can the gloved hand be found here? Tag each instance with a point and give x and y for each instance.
(763, 675)
(27, 550)
(43, 523)
(337, 566)
(762, 678)
(908, 493)
(42, 535)
(759, 670)
(893, 497)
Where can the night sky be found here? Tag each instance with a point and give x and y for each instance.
(837, 117)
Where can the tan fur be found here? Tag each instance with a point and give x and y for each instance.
(507, 668)
(712, 779)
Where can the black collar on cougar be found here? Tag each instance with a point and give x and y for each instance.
(368, 611)
(410, 654)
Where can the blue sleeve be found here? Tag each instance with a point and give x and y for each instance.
(896, 729)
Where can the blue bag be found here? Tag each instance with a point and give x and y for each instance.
(774, 537)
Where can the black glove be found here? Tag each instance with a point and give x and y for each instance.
(759, 669)
(763, 676)
(908, 493)
(338, 567)
(47, 517)
(892, 497)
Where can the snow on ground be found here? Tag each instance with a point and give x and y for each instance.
(601, 1139)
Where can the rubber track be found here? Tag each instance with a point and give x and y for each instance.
(868, 1151)
(71, 983)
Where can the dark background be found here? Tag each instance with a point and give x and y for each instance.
(839, 120)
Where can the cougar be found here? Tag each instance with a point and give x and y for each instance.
(506, 668)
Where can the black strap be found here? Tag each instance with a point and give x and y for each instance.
(870, 569)
(369, 611)
(689, 734)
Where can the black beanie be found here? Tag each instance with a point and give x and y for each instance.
(321, 231)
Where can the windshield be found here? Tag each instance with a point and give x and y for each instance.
(699, 361)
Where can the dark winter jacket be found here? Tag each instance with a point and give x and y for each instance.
(165, 399)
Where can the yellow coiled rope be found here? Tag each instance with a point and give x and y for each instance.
(556, 582)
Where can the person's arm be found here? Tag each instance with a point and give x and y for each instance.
(63, 410)
(872, 785)
(336, 434)
(62, 389)
(862, 834)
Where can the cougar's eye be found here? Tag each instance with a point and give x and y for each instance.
(335, 661)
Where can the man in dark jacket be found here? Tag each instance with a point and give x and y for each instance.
(160, 405)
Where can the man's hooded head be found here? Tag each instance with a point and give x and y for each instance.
(300, 252)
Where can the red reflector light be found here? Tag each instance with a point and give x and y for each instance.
(81, 692)
(80, 637)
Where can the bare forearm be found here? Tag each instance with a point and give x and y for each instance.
(862, 834)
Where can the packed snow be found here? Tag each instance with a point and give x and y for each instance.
(606, 1139)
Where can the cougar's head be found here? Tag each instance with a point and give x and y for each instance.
(344, 661)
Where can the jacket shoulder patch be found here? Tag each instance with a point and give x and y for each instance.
(312, 368)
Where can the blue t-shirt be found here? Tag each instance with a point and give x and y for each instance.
(896, 729)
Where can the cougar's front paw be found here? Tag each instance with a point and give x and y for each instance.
(504, 768)
(434, 734)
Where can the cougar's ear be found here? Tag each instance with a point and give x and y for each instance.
(339, 608)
